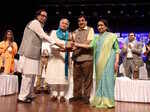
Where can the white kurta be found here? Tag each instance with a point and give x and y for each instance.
(56, 64)
(28, 65)
(46, 45)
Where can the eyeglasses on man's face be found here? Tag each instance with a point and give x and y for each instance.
(131, 35)
(42, 15)
(81, 20)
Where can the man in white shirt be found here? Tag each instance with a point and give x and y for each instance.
(30, 52)
(132, 60)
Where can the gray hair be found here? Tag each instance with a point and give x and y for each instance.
(64, 19)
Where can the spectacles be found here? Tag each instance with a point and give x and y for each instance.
(44, 56)
(131, 35)
(99, 25)
(81, 20)
(43, 15)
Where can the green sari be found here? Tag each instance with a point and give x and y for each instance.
(105, 48)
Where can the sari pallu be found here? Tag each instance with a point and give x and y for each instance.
(105, 48)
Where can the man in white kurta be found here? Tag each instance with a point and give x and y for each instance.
(30, 54)
(55, 76)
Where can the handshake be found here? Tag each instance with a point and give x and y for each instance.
(71, 46)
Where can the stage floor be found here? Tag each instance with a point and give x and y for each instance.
(42, 103)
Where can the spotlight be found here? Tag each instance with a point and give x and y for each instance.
(108, 12)
(121, 12)
(57, 5)
(69, 12)
(136, 11)
(100, 16)
(142, 15)
(82, 12)
(57, 12)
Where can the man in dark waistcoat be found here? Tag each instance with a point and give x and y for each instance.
(83, 63)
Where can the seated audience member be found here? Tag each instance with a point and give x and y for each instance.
(8, 49)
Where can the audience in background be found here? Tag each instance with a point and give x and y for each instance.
(8, 50)
(132, 60)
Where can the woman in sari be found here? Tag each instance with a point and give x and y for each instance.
(106, 58)
(8, 49)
